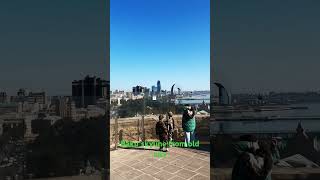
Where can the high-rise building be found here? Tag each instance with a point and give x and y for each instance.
(39, 97)
(224, 95)
(129, 95)
(158, 87)
(87, 91)
(21, 93)
(66, 107)
(154, 89)
(179, 91)
(3, 97)
(55, 105)
(137, 90)
(21, 96)
(146, 91)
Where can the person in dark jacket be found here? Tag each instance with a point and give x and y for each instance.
(162, 132)
(254, 161)
(170, 125)
(188, 124)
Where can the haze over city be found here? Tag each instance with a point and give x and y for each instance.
(266, 45)
(41, 49)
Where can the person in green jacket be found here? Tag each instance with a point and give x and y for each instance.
(188, 124)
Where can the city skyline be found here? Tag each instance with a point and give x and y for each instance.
(163, 40)
(266, 45)
(149, 86)
(14, 91)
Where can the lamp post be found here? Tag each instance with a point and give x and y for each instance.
(115, 117)
(143, 115)
(116, 129)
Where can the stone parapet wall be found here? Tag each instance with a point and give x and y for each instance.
(128, 128)
(92, 177)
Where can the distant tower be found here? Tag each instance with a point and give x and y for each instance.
(154, 90)
(88, 90)
(301, 132)
(299, 128)
(158, 87)
(3, 97)
(224, 96)
(172, 88)
(21, 93)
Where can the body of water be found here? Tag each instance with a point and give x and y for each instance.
(195, 99)
(313, 110)
(285, 121)
(256, 127)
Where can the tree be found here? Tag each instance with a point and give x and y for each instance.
(65, 147)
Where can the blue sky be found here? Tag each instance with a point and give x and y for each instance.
(166, 40)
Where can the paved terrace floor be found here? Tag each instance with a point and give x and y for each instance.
(277, 174)
(179, 164)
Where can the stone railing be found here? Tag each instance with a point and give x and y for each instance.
(130, 128)
(92, 177)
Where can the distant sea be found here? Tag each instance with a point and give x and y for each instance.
(312, 111)
(235, 126)
(198, 99)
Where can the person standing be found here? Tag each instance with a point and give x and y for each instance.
(254, 160)
(170, 125)
(188, 124)
(162, 132)
(275, 150)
